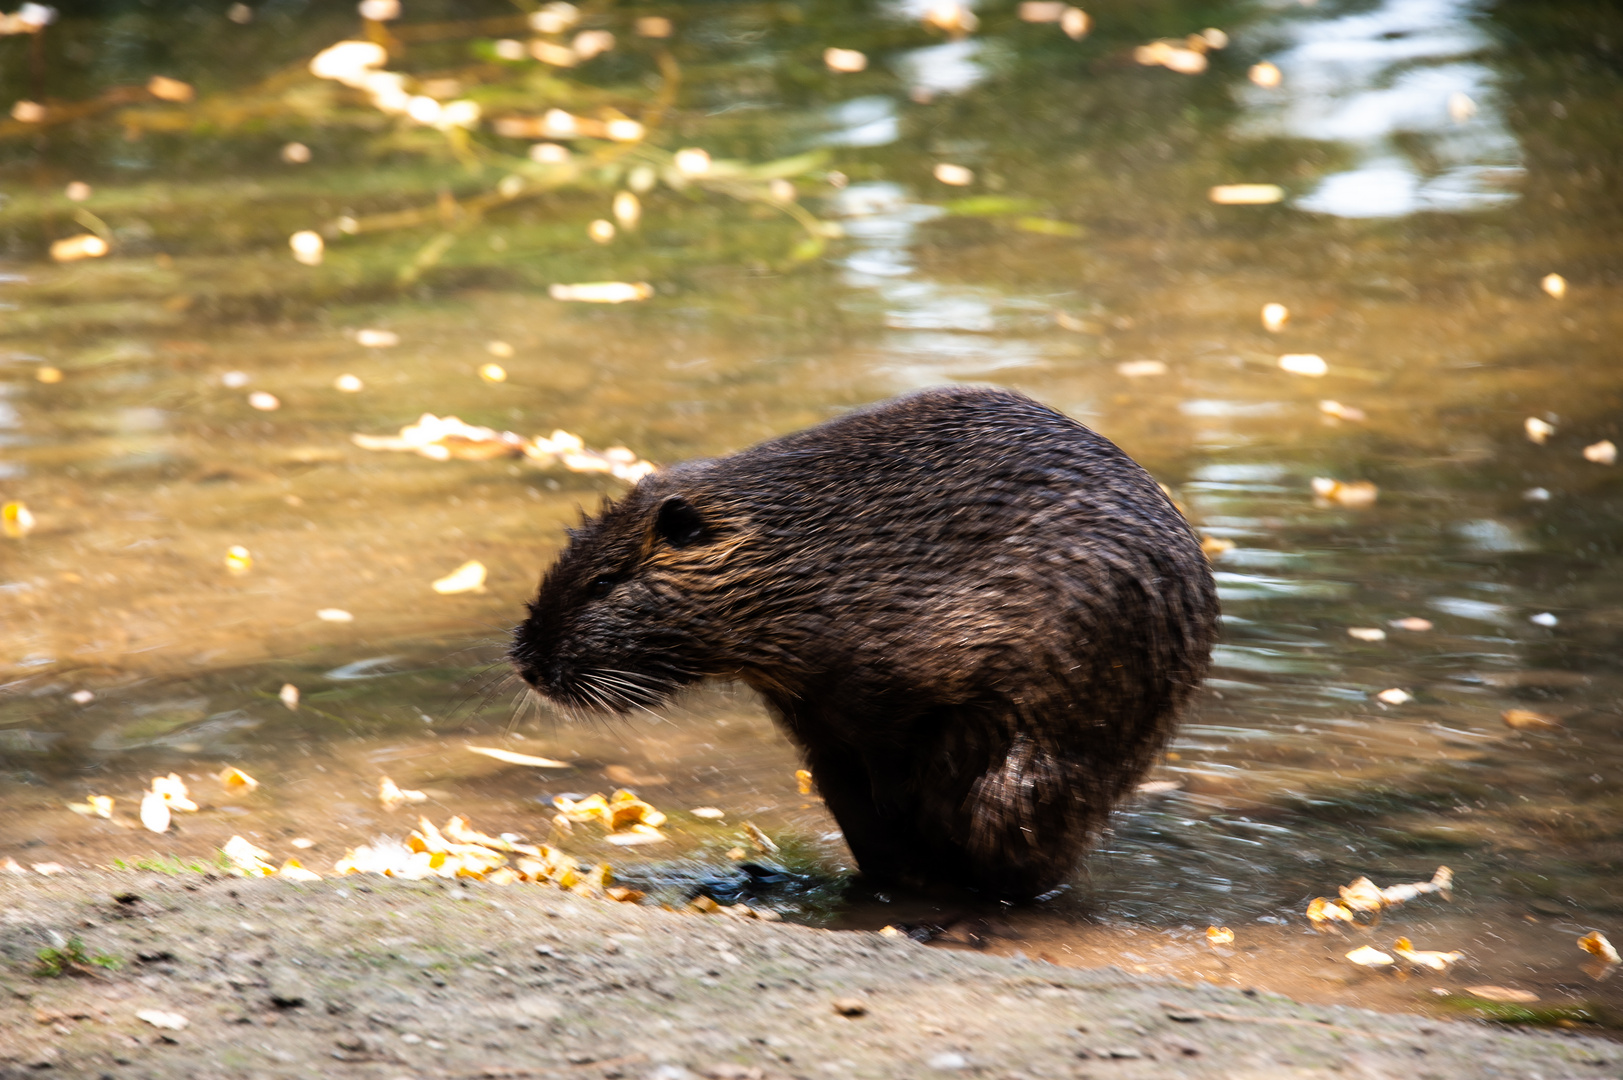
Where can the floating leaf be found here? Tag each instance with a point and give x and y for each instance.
(289, 696)
(1246, 194)
(377, 339)
(1528, 720)
(308, 247)
(166, 89)
(763, 843)
(1321, 911)
(1362, 895)
(1349, 493)
(1274, 317)
(954, 175)
(1595, 944)
(234, 779)
(1174, 57)
(602, 292)
(1219, 935)
(238, 560)
(513, 758)
(845, 60)
(1310, 364)
(15, 520)
(1395, 696)
(1366, 956)
(1555, 285)
(94, 806)
(1538, 431)
(692, 161)
(393, 796)
(1366, 633)
(1342, 412)
(469, 577)
(74, 248)
(1265, 75)
(1601, 453)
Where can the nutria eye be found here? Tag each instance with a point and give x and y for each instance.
(679, 524)
(603, 585)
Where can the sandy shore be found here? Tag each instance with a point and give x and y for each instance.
(375, 978)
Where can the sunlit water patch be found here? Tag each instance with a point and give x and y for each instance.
(1380, 80)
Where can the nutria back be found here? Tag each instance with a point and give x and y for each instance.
(979, 619)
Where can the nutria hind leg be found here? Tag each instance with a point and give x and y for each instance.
(1023, 824)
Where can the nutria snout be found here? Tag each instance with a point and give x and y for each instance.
(979, 620)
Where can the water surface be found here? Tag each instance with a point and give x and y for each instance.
(1438, 160)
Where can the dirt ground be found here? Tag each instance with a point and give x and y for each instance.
(377, 978)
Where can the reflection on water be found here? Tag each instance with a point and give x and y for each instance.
(1401, 86)
(1083, 264)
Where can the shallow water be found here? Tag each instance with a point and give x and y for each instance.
(1084, 264)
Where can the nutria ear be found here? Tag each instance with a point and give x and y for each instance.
(679, 524)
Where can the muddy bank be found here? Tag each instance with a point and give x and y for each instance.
(439, 979)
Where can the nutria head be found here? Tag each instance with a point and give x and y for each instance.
(646, 599)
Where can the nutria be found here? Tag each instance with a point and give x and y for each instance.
(979, 620)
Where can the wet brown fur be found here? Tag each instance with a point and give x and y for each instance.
(979, 619)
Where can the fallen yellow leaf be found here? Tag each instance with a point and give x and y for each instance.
(172, 789)
(1435, 961)
(1365, 956)
(155, 815)
(246, 858)
(294, 870)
